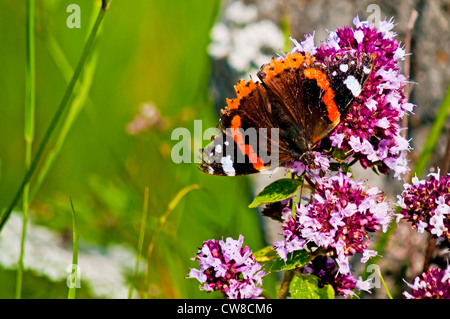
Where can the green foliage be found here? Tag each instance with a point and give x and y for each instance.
(298, 259)
(277, 191)
(307, 287)
(148, 52)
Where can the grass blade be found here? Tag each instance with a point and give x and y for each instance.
(162, 220)
(82, 93)
(75, 279)
(61, 108)
(384, 285)
(140, 242)
(28, 133)
(433, 136)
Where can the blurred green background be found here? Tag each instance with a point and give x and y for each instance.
(147, 52)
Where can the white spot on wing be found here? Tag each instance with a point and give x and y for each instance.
(218, 148)
(353, 85)
(334, 73)
(227, 165)
(343, 67)
(366, 69)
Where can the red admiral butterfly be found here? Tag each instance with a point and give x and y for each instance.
(298, 102)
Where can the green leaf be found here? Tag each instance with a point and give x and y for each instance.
(307, 287)
(340, 166)
(339, 154)
(277, 191)
(374, 169)
(299, 259)
(265, 254)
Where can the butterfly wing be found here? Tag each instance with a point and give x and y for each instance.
(298, 103)
(248, 140)
(316, 94)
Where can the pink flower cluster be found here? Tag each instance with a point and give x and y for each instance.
(432, 284)
(337, 219)
(426, 204)
(228, 267)
(371, 130)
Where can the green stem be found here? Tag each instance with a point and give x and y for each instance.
(28, 133)
(76, 106)
(284, 288)
(162, 220)
(74, 281)
(140, 242)
(384, 284)
(57, 116)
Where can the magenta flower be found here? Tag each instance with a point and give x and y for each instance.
(229, 268)
(433, 284)
(371, 130)
(426, 204)
(337, 219)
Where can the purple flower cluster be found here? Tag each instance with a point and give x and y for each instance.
(426, 204)
(432, 284)
(371, 130)
(325, 269)
(321, 163)
(334, 224)
(228, 267)
(337, 219)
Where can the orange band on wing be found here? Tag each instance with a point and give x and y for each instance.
(319, 76)
(292, 60)
(236, 122)
(333, 111)
(242, 89)
(328, 97)
(245, 149)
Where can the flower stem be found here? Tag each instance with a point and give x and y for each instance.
(62, 106)
(162, 220)
(284, 289)
(28, 133)
(73, 284)
(384, 284)
(140, 242)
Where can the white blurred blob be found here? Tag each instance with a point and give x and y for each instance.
(245, 43)
(103, 270)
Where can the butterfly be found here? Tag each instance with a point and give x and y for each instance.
(298, 101)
